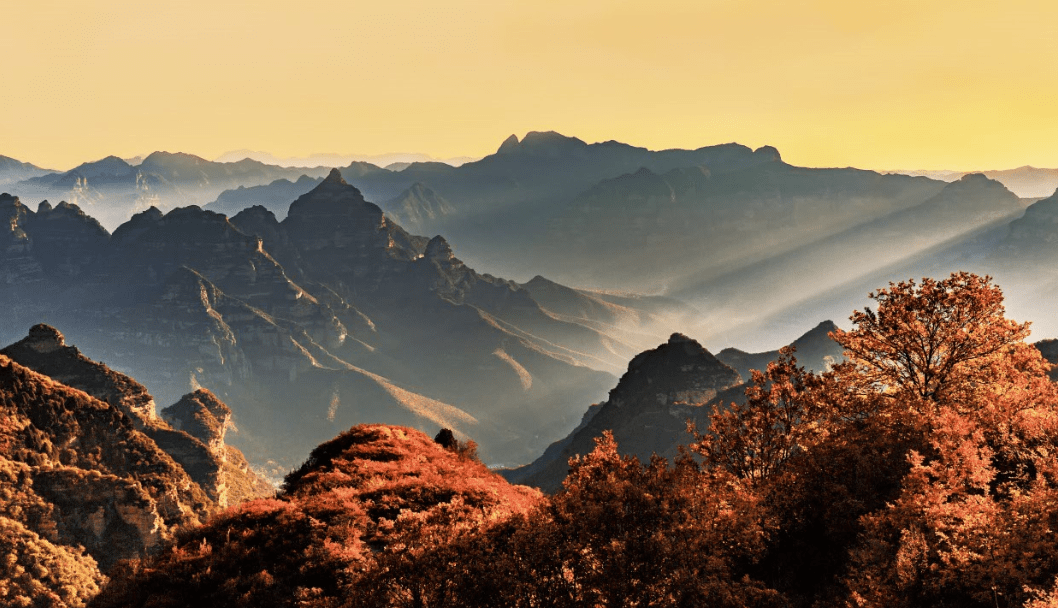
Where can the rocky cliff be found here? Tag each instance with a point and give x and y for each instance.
(82, 475)
(647, 411)
(219, 470)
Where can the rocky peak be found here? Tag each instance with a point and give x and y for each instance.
(137, 224)
(332, 197)
(335, 177)
(44, 207)
(647, 411)
(679, 370)
(201, 415)
(438, 249)
(509, 145)
(768, 153)
(44, 338)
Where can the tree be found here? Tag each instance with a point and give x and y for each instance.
(935, 340)
(780, 418)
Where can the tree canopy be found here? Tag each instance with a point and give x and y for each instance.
(920, 471)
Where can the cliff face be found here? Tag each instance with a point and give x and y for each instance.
(647, 411)
(87, 475)
(213, 466)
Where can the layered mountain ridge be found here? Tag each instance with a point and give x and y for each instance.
(333, 316)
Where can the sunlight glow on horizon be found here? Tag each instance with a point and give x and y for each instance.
(952, 85)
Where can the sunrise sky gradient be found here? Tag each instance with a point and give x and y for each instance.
(960, 85)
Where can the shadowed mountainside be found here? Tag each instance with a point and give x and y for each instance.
(647, 411)
(664, 389)
(336, 309)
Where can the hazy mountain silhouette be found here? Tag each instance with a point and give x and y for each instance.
(12, 171)
(752, 291)
(275, 196)
(111, 189)
(1027, 181)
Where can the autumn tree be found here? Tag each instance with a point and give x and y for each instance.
(971, 523)
(936, 341)
(926, 457)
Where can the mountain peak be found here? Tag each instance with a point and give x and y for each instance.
(45, 338)
(678, 338)
(438, 249)
(509, 145)
(769, 152)
(335, 177)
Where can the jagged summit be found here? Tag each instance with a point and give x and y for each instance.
(678, 338)
(332, 195)
(647, 411)
(438, 249)
(768, 152)
(335, 176)
(44, 338)
(509, 145)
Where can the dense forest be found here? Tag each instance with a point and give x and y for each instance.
(920, 471)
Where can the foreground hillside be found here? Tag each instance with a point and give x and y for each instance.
(375, 497)
(918, 472)
(86, 483)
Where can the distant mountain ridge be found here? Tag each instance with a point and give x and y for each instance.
(1026, 181)
(12, 170)
(111, 189)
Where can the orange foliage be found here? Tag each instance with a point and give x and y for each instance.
(920, 472)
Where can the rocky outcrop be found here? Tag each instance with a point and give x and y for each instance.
(45, 351)
(96, 480)
(201, 415)
(647, 411)
(204, 458)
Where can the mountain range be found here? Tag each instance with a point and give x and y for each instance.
(340, 297)
(718, 227)
(334, 316)
(112, 190)
(1026, 181)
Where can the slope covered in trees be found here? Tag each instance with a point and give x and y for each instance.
(918, 472)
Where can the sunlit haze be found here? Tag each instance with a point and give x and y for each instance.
(959, 85)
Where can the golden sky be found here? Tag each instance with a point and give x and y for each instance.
(963, 84)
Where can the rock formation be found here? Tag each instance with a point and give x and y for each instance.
(219, 470)
(647, 411)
